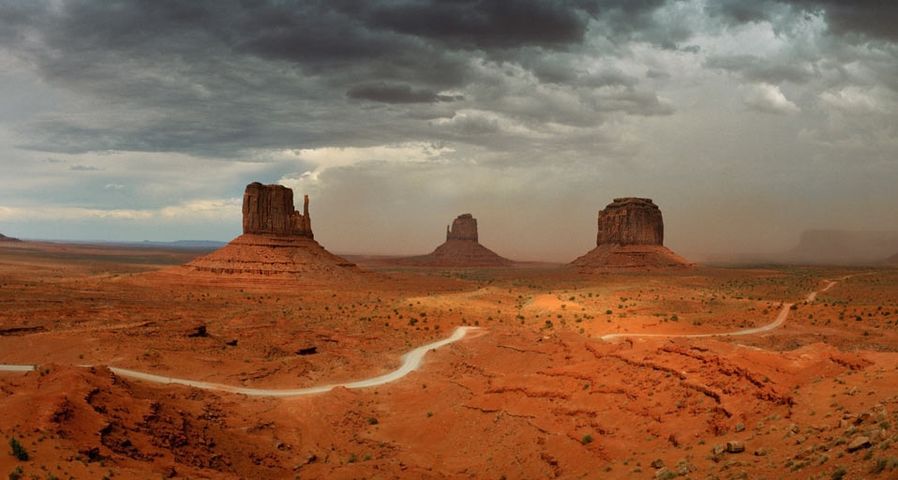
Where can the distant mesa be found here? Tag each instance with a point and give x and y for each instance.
(842, 247)
(461, 249)
(893, 260)
(4, 238)
(630, 235)
(276, 240)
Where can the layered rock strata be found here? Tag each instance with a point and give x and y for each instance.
(268, 210)
(630, 235)
(277, 240)
(631, 221)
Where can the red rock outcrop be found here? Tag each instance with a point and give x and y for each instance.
(464, 227)
(630, 235)
(276, 240)
(461, 249)
(631, 221)
(268, 210)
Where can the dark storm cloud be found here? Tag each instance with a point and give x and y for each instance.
(875, 19)
(481, 23)
(226, 76)
(740, 11)
(865, 19)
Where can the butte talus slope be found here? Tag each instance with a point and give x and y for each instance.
(461, 249)
(276, 240)
(630, 235)
(4, 238)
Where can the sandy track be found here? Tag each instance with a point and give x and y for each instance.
(776, 323)
(410, 362)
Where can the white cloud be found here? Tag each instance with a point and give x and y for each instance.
(187, 211)
(332, 157)
(768, 98)
(855, 100)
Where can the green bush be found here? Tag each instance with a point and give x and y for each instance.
(18, 450)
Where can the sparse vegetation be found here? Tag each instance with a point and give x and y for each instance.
(16, 474)
(838, 474)
(17, 450)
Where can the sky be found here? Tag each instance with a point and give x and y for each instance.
(747, 122)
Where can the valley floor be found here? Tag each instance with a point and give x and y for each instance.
(555, 383)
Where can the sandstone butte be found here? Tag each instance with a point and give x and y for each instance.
(461, 249)
(630, 235)
(277, 240)
(4, 238)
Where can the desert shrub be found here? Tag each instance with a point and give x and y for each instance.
(16, 474)
(586, 440)
(838, 474)
(17, 450)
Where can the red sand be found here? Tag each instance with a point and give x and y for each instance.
(536, 395)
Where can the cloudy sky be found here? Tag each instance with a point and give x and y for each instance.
(746, 121)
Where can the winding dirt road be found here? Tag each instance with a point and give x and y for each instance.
(410, 362)
(776, 323)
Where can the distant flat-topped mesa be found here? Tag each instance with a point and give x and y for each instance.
(630, 235)
(461, 249)
(268, 210)
(276, 240)
(464, 227)
(631, 221)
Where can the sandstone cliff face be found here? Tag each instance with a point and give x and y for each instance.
(277, 241)
(464, 227)
(268, 210)
(631, 221)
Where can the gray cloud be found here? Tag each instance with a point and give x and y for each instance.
(763, 70)
(448, 105)
(225, 77)
(397, 93)
(84, 168)
(864, 19)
